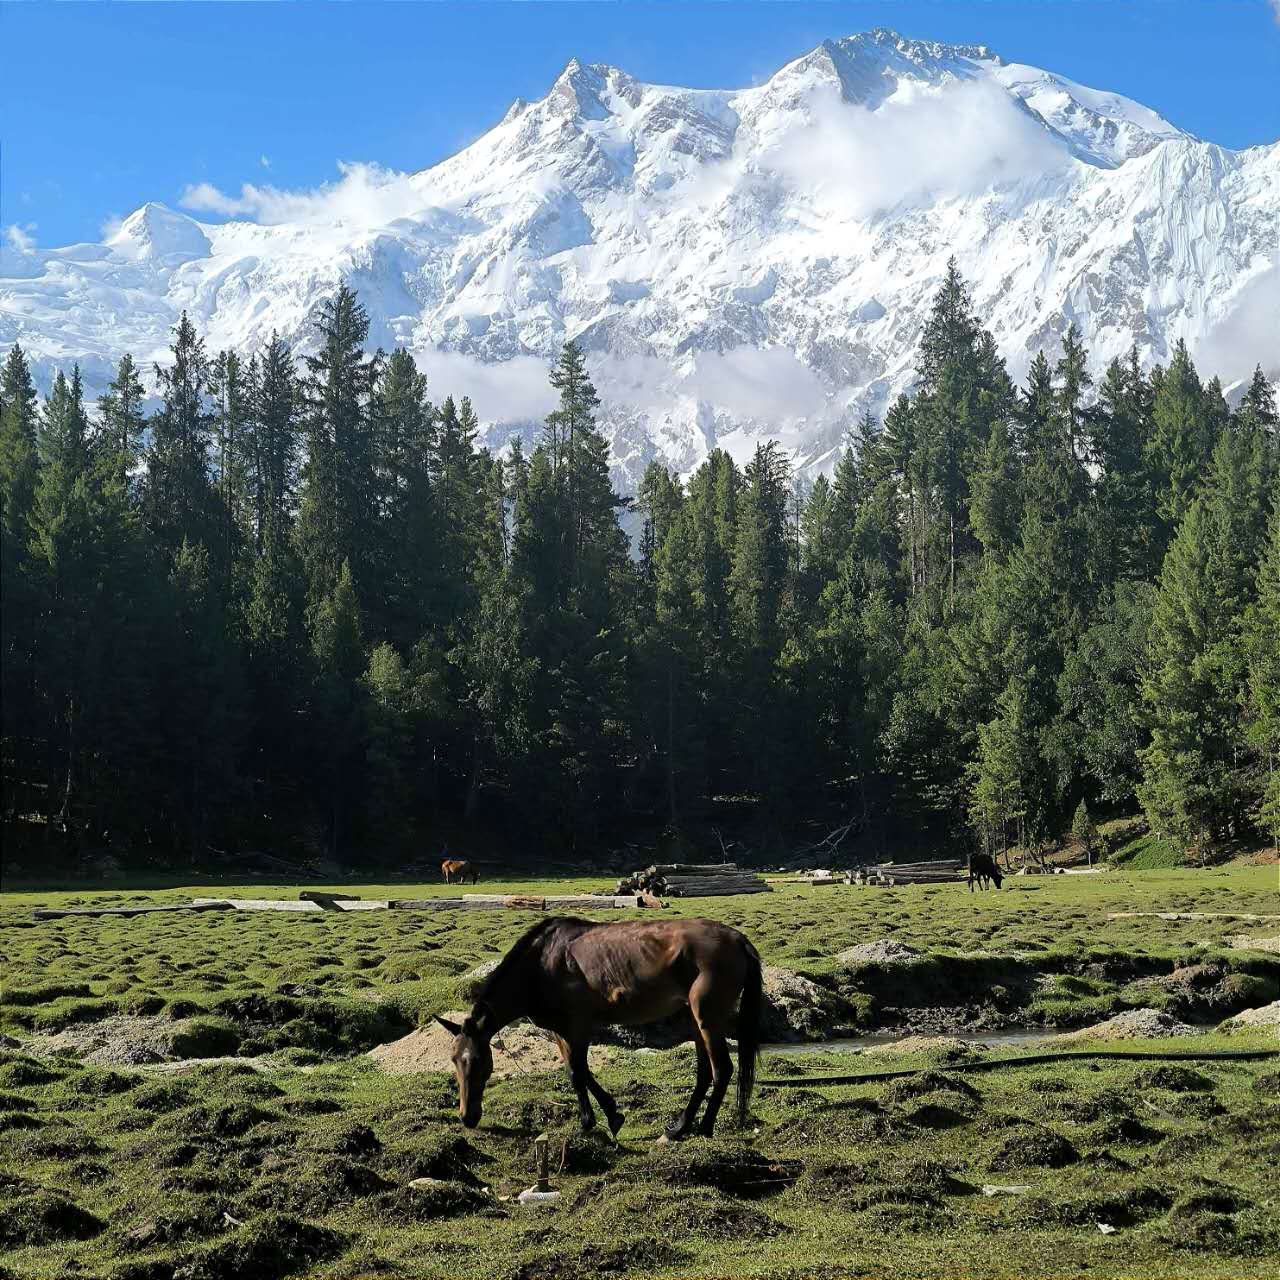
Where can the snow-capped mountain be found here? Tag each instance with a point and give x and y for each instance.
(739, 263)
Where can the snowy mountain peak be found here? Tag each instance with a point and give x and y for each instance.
(739, 264)
(157, 233)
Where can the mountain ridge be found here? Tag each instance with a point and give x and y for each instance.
(739, 264)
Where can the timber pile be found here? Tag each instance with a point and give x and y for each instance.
(943, 871)
(693, 880)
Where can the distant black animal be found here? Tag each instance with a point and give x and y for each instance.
(982, 867)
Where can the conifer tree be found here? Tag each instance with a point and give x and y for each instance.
(1180, 444)
(1084, 830)
(180, 501)
(276, 439)
(1191, 785)
(122, 418)
(1262, 693)
(337, 521)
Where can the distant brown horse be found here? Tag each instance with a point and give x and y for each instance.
(459, 871)
(571, 976)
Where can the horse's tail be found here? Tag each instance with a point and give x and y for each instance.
(749, 1012)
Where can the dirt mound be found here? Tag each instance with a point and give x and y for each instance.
(518, 1050)
(796, 1007)
(1256, 1019)
(882, 951)
(939, 1046)
(1133, 1024)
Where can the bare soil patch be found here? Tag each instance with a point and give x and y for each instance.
(518, 1050)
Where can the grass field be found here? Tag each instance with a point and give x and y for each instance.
(295, 1158)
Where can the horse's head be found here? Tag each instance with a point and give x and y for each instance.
(473, 1065)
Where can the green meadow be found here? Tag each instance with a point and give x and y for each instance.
(290, 1154)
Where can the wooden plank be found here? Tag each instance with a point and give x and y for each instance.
(200, 904)
(523, 902)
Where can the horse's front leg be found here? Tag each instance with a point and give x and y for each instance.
(574, 1053)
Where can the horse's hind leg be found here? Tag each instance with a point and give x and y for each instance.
(682, 1126)
(721, 1073)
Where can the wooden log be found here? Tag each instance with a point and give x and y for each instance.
(592, 901)
(723, 893)
(261, 904)
(692, 869)
(426, 904)
(51, 913)
(942, 864)
(726, 879)
(1188, 915)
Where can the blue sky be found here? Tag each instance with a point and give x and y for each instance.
(104, 106)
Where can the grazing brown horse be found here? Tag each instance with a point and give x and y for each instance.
(571, 976)
(459, 870)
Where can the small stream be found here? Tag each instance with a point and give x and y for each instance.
(1010, 1037)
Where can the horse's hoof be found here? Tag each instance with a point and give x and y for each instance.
(615, 1123)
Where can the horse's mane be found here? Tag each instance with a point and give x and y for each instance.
(516, 956)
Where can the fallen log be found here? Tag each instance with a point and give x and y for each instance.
(259, 904)
(1188, 915)
(721, 893)
(426, 904)
(200, 904)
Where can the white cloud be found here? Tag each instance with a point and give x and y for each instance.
(1248, 335)
(20, 238)
(514, 390)
(921, 145)
(758, 383)
(1275, 9)
(265, 161)
(762, 383)
(366, 195)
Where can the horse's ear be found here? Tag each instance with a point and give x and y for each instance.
(451, 1027)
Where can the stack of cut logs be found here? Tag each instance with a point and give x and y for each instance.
(944, 871)
(693, 880)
